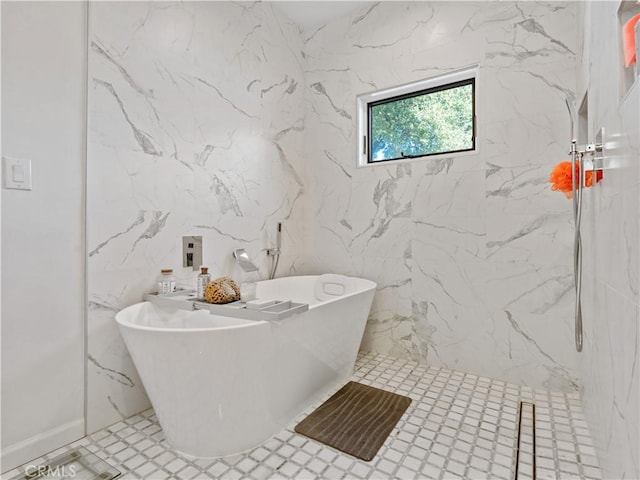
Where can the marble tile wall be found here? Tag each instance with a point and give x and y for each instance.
(195, 128)
(220, 119)
(611, 232)
(472, 255)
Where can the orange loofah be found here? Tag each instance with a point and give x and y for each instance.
(629, 41)
(560, 178)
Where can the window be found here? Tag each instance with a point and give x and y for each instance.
(429, 117)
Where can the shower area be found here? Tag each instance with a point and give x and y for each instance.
(224, 119)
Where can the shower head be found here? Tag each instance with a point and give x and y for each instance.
(572, 115)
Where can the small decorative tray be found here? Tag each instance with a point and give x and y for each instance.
(186, 300)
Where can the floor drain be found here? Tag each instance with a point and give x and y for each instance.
(77, 464)
(525, 462)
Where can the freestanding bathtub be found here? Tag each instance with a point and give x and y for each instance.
(222, 385)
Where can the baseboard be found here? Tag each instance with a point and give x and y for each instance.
(31, 448)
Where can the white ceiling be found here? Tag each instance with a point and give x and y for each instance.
(313, 13)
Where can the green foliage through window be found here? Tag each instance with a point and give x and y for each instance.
(429, 122)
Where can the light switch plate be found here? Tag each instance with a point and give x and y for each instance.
(16, 173)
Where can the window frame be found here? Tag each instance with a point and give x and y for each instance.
(422, 87)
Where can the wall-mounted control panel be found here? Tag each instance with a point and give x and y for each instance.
(192, 252)
(16, 173)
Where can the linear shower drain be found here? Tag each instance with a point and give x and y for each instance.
(77, 464)
(525, 460)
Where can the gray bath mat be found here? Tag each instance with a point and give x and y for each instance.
(356, 420)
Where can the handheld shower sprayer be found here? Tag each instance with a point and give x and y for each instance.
(279, 236)
(275, 252)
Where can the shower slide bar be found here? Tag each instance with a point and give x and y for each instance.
(595, 163)
(576, 187)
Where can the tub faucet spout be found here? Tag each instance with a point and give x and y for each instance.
(242, 257)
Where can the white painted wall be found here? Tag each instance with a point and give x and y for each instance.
(43, 119)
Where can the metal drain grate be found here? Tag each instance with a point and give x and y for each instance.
(525, 461)
(77, 464)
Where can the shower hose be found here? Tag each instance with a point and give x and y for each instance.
(576, 186)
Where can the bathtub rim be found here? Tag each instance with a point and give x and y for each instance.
(135, 326)
(365, 286)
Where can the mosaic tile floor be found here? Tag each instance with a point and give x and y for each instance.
(458, 426)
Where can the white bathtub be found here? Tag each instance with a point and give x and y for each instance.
(222, 385)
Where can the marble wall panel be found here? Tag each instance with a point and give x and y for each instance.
(487, 245)
(220, 119)
(611, 232)
(195, 128)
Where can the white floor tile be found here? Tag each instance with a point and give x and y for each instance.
(458, 426)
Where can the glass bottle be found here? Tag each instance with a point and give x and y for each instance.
(203, 279)
(166, 281)
(247, 291)
(247, 287)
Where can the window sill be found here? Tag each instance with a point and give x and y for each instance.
(426, 158)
